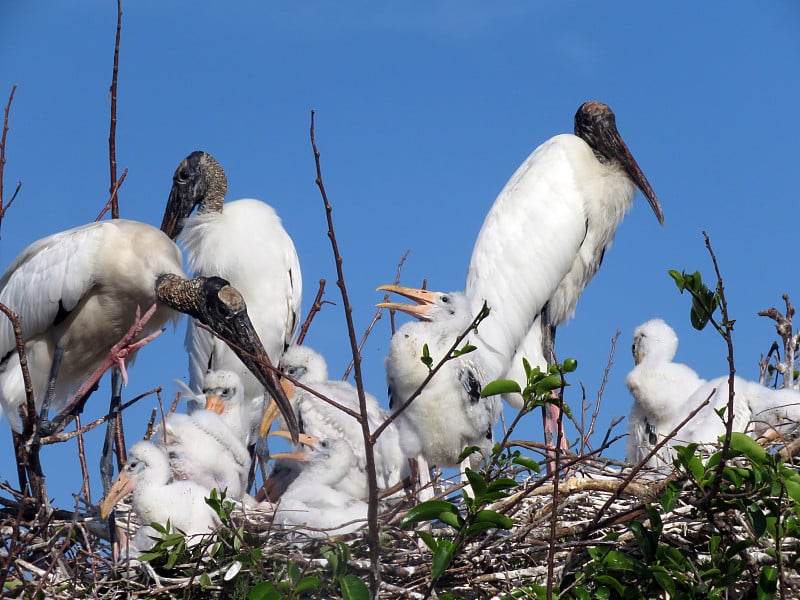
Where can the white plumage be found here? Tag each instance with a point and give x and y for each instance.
(156, 498)
(313, 503)
(449, 414)
(544, 239)
(319, 418)
(244, 242)
(665, 393)
(202, 448)
(79, 289)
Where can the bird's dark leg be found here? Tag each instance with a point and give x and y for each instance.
(107, 458)
(45, 425)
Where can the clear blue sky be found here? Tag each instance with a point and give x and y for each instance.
(424, 109)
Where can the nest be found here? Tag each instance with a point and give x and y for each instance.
(67, 554)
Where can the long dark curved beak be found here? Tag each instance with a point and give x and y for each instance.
(189, 187)
(220, 306)
(596, 124)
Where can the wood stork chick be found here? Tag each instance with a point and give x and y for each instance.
(449, 414)
(665, 393)
(313, 503)
(156, 498)
(321, 419)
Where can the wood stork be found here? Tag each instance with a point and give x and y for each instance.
(449, 414)
(79, 290)
(665, 393)
(223, 393)
(545, 237)
(156, 498)
(202, 448)
(318, 418)
(313, 504)
(244, 242)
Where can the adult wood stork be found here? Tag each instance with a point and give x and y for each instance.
(545, 237)
(78, 291)
(319, 418)
(244, 242)
(448, 415)
(157, 498)
(313, 503)
(665, 393)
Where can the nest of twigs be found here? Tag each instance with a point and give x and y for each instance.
(67, 554)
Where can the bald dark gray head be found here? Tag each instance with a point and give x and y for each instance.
(198, 180)
(596, 125)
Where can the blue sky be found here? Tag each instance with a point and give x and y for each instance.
(424, 110)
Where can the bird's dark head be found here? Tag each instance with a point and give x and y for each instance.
(596, 125)
(198, 180)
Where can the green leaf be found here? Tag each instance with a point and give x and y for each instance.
(442, 557)
(527, 463)
(265, 590)
(429, 540)
(757, 519)
(550, 383)
(467, 452)
(309, 583)
(747, 446)
(453, 519)
(428, 511)
(502, 483)
(500, 386)
(353, 588)
(466, 349)
(476, 481)
(494, 518)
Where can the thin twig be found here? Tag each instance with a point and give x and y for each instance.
(5, 207)
(376, 318)
(112, 136)
(372, 512)
(316, 306)
(113, 199)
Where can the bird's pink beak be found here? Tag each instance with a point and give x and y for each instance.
(425, 301)
(214, 404)
(311, 441)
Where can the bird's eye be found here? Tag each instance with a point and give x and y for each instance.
(183, 175)
(445, 299)
(226, 392)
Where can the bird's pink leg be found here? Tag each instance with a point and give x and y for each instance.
(550, 420)
(117, 355)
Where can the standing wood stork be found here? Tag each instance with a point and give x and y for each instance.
(665, 393)
(77, 292)
(157, 498)
(244, 242)
(318, 418)
(545, 237)
(448, 414)
(313, 503)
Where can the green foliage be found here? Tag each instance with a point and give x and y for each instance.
(757, 489)
(704, 301)
(467, 522)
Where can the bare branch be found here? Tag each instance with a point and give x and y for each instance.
(112, 136)
(316, 306)
(113, 199)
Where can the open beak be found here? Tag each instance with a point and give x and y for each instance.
(214, 403)
(273, 411)
(424, 299)
(122, 486)
(307, 440)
